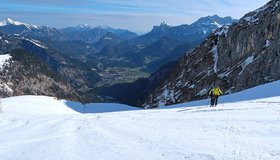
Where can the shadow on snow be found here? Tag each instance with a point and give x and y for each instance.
(99, 107)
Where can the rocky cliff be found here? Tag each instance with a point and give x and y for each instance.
(236, 57)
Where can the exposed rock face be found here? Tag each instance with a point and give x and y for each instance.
(236, 57)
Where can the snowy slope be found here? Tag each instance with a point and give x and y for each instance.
(33, 128)
(263, 91)
(49, 105)
(3, 59)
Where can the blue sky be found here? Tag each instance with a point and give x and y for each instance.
(136, 15)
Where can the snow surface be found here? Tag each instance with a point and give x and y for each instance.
(223, 30)
(217, 24)
(3, 59)
(166, 94)
(248, 61)
(216, 57)
(49, 105)
(244, 126)
(5, 88)
(267, 43)
(37, 43)
(254, 18)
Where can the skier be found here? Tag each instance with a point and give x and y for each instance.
(214, 95)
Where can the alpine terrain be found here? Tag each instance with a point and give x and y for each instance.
(89, 60)
(208, 90)
(236, 57)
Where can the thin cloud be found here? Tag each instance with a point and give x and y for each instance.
(166, 7)
(127, 14)
(65, 2)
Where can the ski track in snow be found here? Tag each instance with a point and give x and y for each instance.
(239, 130)
(227, 132)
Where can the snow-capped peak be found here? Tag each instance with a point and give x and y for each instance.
(84, 26)
(87, 26)
(214, 20)
(165, 24)
(9, 21)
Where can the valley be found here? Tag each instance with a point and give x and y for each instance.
(91, 58)
(117, 75)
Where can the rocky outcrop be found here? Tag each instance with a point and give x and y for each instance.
(236, 57)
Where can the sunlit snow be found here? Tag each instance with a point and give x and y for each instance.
(243, 126)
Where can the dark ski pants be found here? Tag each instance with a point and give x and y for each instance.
(214, 100)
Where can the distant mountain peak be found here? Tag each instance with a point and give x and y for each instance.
(9, 21)
(214, 20)
(89, 27)
(84, 26)
(163, 27)
(165, 24)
